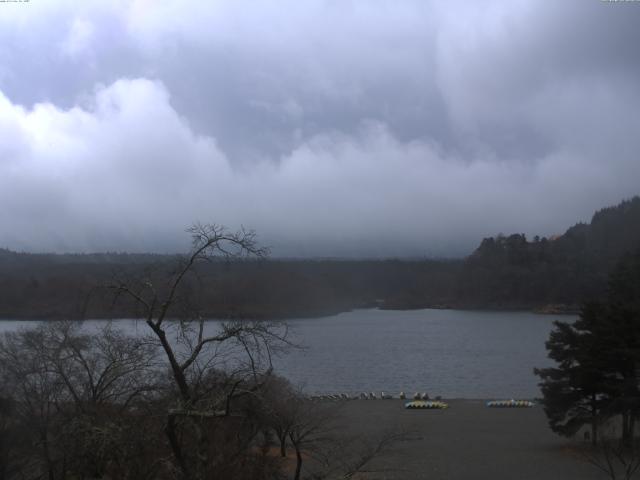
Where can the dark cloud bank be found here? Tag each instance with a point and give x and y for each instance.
(333, 128)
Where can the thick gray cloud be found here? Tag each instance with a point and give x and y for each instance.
(361, 128)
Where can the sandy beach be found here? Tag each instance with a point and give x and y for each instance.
(467, 441)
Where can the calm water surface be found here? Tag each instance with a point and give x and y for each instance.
(461, 354)
(465, 354)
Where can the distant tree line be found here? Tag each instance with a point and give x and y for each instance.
(42, 286)
(503, 272)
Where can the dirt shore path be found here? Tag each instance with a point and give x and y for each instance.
(467, 441)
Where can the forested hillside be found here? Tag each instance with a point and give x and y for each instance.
(512, 272)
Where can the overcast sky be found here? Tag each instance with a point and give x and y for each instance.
(331, 127)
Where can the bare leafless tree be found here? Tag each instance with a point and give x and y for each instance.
(314, 429)
(358, 456)
(280, 409)
(241, 349)
(618, 459)
(69, 393)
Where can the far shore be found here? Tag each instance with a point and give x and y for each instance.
(540, 310)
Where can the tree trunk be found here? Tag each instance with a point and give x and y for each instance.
(203, 450)
(283, 446)
(178, 374)
(170, 431)
(626, 429)
(45, 445)
(296, 445)
(594, 421)
(298, 462)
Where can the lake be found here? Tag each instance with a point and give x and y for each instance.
(453, 353)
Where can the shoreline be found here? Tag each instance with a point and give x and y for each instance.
(544, 310)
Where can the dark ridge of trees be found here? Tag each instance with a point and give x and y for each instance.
(35, 286)
(504, 272)
(512, 272)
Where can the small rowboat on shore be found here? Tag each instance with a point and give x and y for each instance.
(510, 404)
(425, 404)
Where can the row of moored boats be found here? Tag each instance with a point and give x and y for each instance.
(421, 400)
(371, 396)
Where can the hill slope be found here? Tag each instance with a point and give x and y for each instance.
(511, 272)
